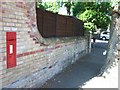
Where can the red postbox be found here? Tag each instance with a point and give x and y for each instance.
(11, 49)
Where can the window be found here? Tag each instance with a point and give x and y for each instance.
(105, 33)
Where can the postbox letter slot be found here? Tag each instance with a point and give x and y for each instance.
(11, 49)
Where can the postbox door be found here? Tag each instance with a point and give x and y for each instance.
(11, 49)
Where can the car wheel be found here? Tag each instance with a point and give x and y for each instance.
(104, 38)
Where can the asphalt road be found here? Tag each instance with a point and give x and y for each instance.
(83, 70)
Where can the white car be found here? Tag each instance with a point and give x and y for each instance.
(105, 35)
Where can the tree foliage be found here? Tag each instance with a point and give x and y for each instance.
(87, 17)
(80, 7)
(50, 6)
(93, 14)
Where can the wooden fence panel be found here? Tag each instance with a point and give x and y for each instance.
(60, 26)
(49, 24)
(54, 25)
(39, 15)
(69, 25)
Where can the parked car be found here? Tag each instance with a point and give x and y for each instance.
(105, 35)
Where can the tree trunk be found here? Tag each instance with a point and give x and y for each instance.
(111, 58)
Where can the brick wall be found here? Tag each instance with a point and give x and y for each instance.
(38, 59)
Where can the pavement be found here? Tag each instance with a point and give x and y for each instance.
(82, 71)
(108, 80)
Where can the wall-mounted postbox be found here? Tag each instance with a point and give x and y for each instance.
(11, 49)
